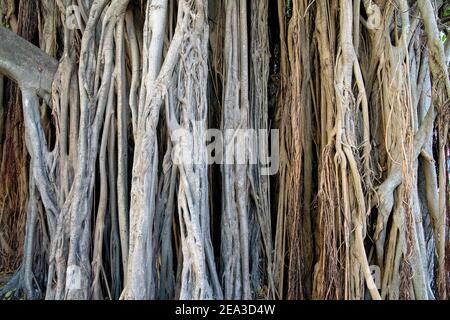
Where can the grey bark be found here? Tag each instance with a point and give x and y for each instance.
(26, 64)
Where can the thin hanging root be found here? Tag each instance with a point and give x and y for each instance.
(97, 264)
(242, 170)
(361, 253)
(122, 130)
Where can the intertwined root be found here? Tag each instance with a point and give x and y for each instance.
(363, 111)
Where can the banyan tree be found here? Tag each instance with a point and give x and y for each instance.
(224, 149)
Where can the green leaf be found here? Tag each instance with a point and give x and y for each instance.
(447, 12)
